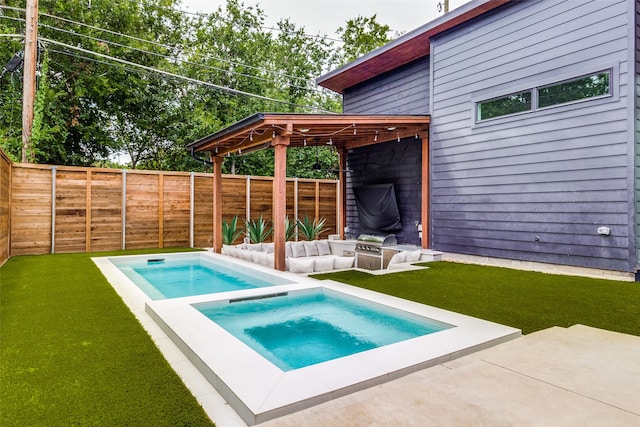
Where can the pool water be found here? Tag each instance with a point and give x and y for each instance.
(298, 329)
(162, 278)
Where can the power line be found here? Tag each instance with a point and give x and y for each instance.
(158, 44)
(173, 58)
(188, 79)
(165, 46)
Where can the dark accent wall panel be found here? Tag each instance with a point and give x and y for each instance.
(535, 186)
(402, 91)
(398, 163)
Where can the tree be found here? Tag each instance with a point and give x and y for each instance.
(91, 108)
(362, 35)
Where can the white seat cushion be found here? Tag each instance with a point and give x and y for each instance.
(398, 258)
(323, 263)
(323, 247)
(301, 265)
(414, 256)
(341, 262)
(297, 249)
(310, 248)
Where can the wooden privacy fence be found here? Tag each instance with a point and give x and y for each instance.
(5, 202)
(56, 209)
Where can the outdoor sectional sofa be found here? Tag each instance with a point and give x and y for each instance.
(301, 257)
(320, 256)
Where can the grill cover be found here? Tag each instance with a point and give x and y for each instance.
(377, 208)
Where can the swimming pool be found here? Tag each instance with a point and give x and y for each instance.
(294, 330)
(176, 276)
(256, 388)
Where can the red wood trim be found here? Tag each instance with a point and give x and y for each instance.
(424, 216)
(280, 144)
(217, 203)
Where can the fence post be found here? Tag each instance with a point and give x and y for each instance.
(191, 209)
(161, 210)
(247, 213)
(124, 209)
(53, 209)
(87, 232)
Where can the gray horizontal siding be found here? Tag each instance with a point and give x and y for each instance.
(402, 91)
(534, 186)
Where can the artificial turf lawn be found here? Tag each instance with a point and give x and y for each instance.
(526, 300)
(71, 352)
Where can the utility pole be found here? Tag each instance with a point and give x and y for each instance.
(29, 89)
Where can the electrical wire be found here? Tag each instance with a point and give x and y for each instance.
(169, 47)
(155, 43)
(311, 89)
(188, 79)
(173, 58)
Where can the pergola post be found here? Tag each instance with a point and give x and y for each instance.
(424, 215)
(280, 144)
(217, 203)
(342, 189)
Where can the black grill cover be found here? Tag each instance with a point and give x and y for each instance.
(377, 208)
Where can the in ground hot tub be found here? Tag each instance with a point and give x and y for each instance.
(246, 345)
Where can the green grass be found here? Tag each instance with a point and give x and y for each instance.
(526, 300)
(71, 352)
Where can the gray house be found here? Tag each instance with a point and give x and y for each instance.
(535, 118)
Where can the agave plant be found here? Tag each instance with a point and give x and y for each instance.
(230, 231)
(311, 228)
(290, 229)
(259, 230)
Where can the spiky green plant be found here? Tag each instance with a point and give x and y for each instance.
(230, 231)
(290, 229)
(259, 230)
(311, 228)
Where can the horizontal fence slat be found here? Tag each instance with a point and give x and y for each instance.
(89, 206)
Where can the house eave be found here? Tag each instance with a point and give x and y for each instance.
(407, 48)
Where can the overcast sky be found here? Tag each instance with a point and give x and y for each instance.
(326, 16)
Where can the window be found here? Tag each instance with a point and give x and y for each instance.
(596, 85)
(585, 87)
(503, 106)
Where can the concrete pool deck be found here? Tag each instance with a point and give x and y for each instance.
(578, 376)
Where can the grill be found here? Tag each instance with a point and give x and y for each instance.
(374, 252)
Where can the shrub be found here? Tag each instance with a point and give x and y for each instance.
(258, 231)
(311, 229)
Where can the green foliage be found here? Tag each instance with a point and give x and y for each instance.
(72, 353)
(509, 104)
(91, 110)
(311, 229)
(526, 300)
(258, 230)
(290, 229)
(362, 35)
(230, 231)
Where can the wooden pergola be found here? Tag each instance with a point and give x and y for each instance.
(277, 130)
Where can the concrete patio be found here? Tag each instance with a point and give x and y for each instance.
(578, 376)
